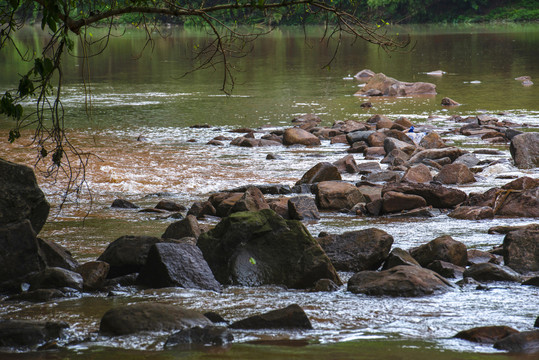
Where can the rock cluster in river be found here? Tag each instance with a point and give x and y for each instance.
(260, 240)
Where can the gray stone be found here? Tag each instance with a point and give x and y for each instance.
(525, 150)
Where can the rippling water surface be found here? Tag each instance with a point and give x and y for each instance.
(282, 78)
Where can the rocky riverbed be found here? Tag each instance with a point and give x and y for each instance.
(292, 243)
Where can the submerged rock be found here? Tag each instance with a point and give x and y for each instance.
(486, 334)
(199, 336)
(130, 319)
(403, 280)
(259, 248)
(291, 317)
(29, 333)
(390, 87)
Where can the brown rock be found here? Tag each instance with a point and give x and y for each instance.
(525, 150)
(432, 141)
(187, 227)
(521, 250)
(449, 102)
(294, 136)
(223, 202)
(323, 171)
(417, 174)
(396, 201)
(94, 274)
(442, 248)
(335, 195)
(280, 206)
(446, 269)
(436, 195)
(252, 200)
(397, 257)
(491, 272)
(524, 342)
(478, 257)
(486, 334)
(518, 203)
(347, 164)
(391, 87)
(451, 152)
(455, 174)
(291, 317)
(472, 213)
(376, 139)
(302, 208)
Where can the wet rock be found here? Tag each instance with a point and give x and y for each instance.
(200, 209)
(446, 269)
(534, 281)
(349, 126)
(310, 119)
(339, 139)
(323, 171)
(215, 143)
(436, 195)
(215, 317)
(526, 342)
(302, 208)
(369, 167)
(325, 285)
(280, 206)
(451, 152)
(121, 281)
(258, 248)
(478, 257)
(511, 133)
(127, 254)
(297, 136)
(506, 229)
(432, 141)
(223, 202)
(469, 281)
(455, 174)
(384, 176)
(470, 160)
(443, 248)
(525, 150)
(521, 250)
(374, 207)
(472, 213)
(371, 153)
(376, 139)
(177, 265)
(336, 195)
(398, 257)
(56, 255)
(357, 250)
(486, 334)
(391, 144)
(395, 158)
(406, 281)
(39, 295)
(491, 272)
(169, 205)
(522, 183)
(20, 252)
(417, 174)
(94, 274)
(518, 203)
(396, 202)
(392, 87)
(272, 189)
(187, 227)
(291, 317)
(449, 102)
(251, 200)
(20, 196)
(424, 212)
(123, 204)
(358, 135)
(384, 123)
(130, 319)
(370, 192)
(201, 336)
(347, 165)
(364, 75)
(29, 333)
(55, 278)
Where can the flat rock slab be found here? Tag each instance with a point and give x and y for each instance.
(291, 317)
(486, 334)
(135, 318)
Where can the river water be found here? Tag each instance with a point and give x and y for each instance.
(282, 78)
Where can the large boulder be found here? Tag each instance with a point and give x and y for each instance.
(291, 317)
(297, 136)
(491, 272)
(525, 150)
(20, 196)
(323, 171)
(384, 85)
(177, 264)
(130, 319)
(357, 250)
(20, 251)
(403, 280)
(55, 278)
(29, 334)
(259, 248)
(443, 248)
(521, 250)
(56, 255)
(337, 195)
(127, 254)
(437, 196)
(455, 174)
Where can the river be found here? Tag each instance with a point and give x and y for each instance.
(283, 77)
